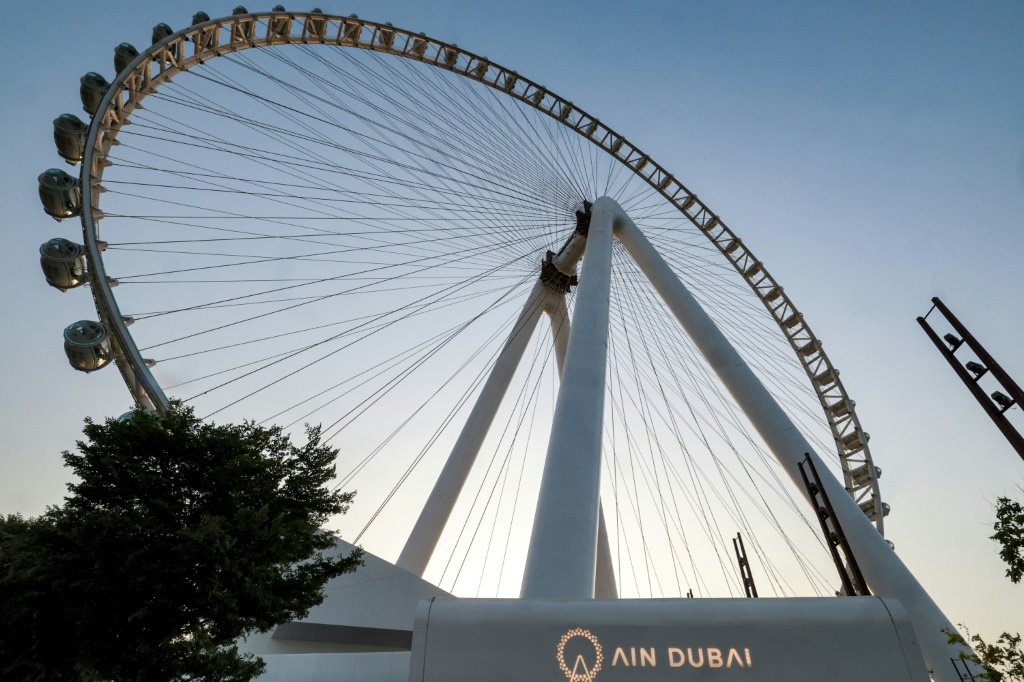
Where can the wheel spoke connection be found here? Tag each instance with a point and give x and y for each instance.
(312, 233)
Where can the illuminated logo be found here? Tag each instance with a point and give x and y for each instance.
(580, 671)
(580, 656)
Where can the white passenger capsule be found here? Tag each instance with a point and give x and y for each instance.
(60, 194)
(315, 25)
(87, 345)
(69, 132)
(63, 263)
(124, 54)
(242, 31)
(93, 87)
(279, 27)
(161, 31)
(207, 38)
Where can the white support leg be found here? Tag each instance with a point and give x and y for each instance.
(558, 313)
(885, 573)
(604, 581)
(430, 524)
(604, 577)
(562, 556)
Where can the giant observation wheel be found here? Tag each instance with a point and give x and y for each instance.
(327, 219)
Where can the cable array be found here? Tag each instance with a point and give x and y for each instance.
(318, 234)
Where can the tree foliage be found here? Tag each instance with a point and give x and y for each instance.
(1002, 660)
(178, 538)
(1009, 533)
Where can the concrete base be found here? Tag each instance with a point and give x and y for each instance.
(381, 667)
(850, 639)
(364, 624)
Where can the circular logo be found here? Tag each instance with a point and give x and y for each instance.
(580, 670)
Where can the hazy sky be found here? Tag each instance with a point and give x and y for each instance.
(871, 154)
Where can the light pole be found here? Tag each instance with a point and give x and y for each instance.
(970, 373)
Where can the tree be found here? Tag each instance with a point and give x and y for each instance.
(1002, 661)
(1009, 533)
(179, 538)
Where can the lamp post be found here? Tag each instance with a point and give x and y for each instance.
(971, 372)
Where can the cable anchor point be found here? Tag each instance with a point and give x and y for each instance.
(554, 278)
(583, 219)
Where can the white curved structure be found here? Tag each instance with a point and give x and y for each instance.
(563, 559)
(207, 40)
(365, 628)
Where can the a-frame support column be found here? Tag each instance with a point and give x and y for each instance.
(885, 572)
(427, 532)
(562, 557)
(604, 578)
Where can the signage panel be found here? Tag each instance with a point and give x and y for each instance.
(848, 639)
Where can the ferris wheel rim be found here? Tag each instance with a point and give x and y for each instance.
(168, 56)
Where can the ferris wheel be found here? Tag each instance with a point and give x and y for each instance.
(324, 219)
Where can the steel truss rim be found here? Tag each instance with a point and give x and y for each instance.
(168, 57)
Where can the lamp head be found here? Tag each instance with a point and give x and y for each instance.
(1004, 401)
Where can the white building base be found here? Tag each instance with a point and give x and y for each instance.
(361, 632)
(364, 632)
(376, 667)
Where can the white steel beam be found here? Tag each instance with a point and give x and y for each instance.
(562, 557)
(604, 581)
(604, 576)
(558, 312)
(884, 571)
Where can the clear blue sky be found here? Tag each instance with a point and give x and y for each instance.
(871, 154)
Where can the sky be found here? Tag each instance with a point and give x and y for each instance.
(871, 154)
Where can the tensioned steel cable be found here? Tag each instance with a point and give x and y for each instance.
(511, 429)
(481, 376)
(317, 232)
(653, 366)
